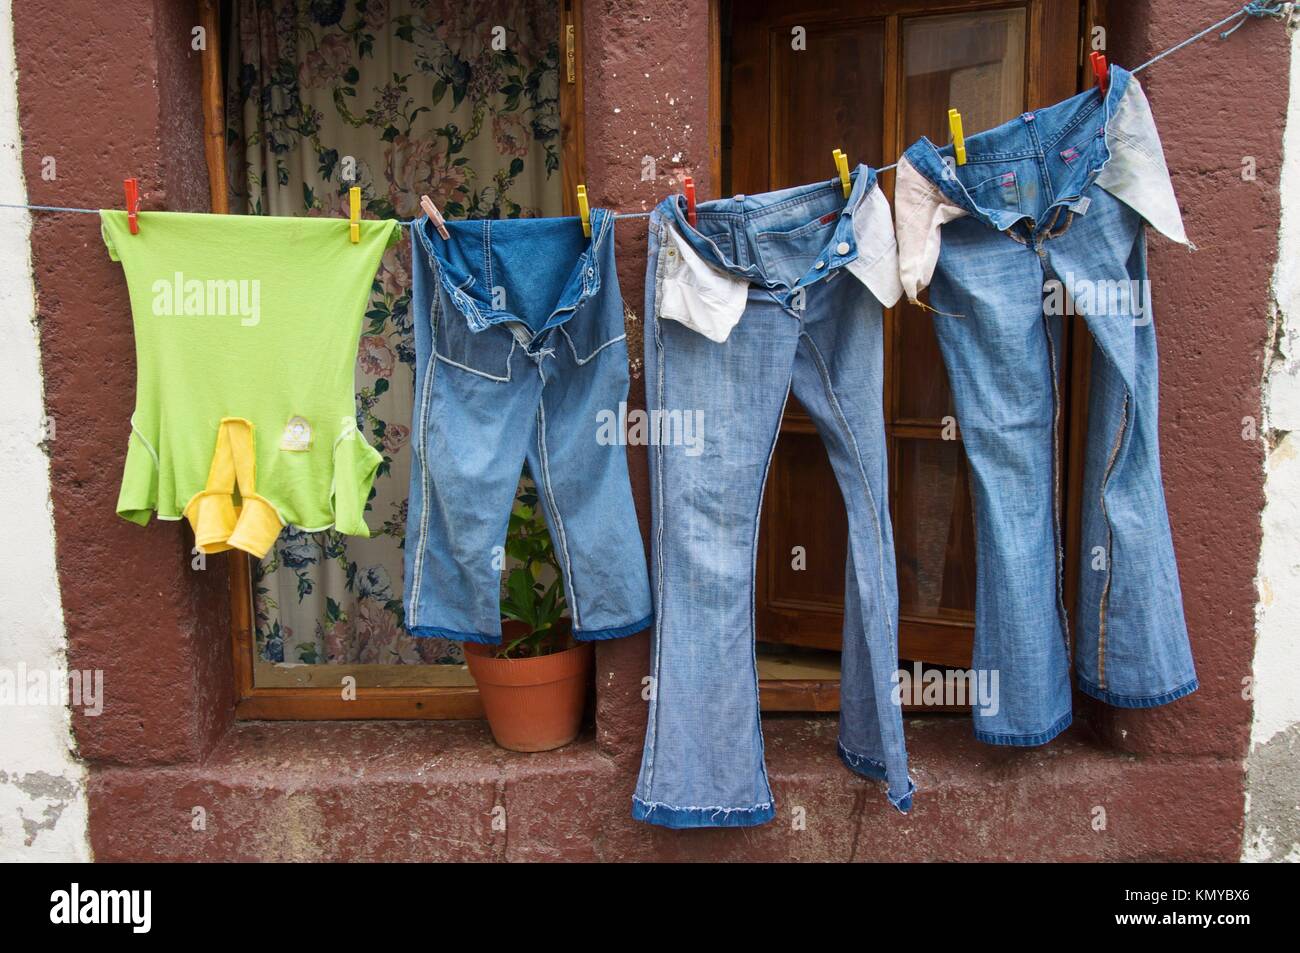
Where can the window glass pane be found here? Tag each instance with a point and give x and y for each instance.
(825, 97)
(971, 62)
(933, 533)
(807, 528)
(923, 394)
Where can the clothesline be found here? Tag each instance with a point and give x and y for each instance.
(95, 211)
(1276, 9)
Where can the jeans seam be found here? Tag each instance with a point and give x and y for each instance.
(824, 373)
(583, 360)
(1093, 690)
(1056, 487)
(1027, 741)
(476, 372)
(862, 470)
(1083, 116)
(1040, 160)
(1131, 143)
(425, 481)
(753, 594)
(652, 728)
(1103, 602)
(567, 562)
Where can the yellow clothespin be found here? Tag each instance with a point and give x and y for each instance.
(842, 165)
(354, 214)
(584, 210)
(958, 139)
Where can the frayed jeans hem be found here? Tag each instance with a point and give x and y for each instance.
(682, 818)
(875, 770)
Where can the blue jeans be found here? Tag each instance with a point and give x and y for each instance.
(1047, 218)
(767, 294)
(520, 353)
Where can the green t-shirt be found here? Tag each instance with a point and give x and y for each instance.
(246, 334)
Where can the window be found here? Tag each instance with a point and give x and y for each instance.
(400, 100)
(871, 81)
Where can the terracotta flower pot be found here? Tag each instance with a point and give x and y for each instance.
(532, 704)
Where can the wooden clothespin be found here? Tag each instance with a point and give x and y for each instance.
(842, 166)
(688, 186)
(1100, 70)
(354, 214)
(584, 210)
(958, 138)
(132, 189)
(435, 216)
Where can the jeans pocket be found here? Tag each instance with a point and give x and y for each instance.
(592, 329)
(1001, 191)
(693, 293)
(486, 353)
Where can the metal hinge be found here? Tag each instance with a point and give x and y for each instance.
(568, 52)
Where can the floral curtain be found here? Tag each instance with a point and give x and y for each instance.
(456, 100)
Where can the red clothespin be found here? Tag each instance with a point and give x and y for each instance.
(688, 186)
(132, 189)
(1100, 70)
(435, 216)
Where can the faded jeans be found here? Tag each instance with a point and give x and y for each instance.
(766, 295)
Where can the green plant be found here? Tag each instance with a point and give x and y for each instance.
(528, 597)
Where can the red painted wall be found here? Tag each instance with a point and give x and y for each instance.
(112, 91)
(1214, 106)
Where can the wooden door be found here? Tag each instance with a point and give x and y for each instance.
(804, 78)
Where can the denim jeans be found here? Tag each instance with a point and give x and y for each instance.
(520, 353)
(1047, 218)
(765, 295)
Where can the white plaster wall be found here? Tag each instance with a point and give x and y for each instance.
(1273, 766)
(42, 786)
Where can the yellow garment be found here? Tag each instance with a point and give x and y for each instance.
(218, 523)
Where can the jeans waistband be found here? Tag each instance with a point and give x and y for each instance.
(1032, 136)
(475, 262)
(749, 223)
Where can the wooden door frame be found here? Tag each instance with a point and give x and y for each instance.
(406, 702)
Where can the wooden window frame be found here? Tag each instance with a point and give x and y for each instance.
(392, 702)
